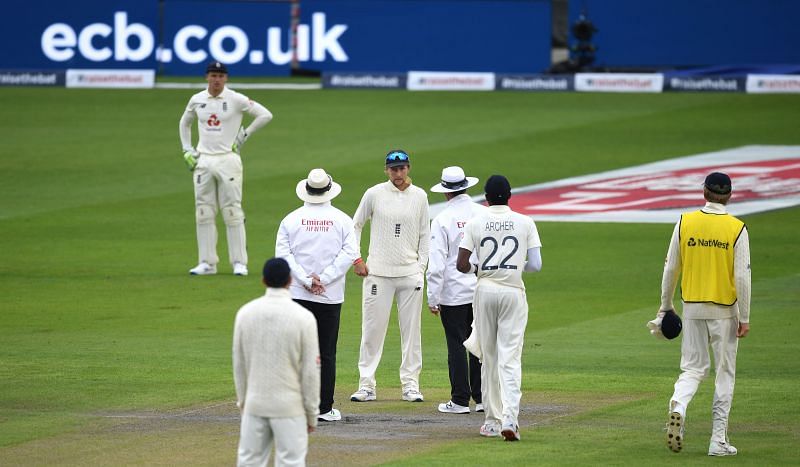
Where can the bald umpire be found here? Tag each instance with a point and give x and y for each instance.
(217, 166)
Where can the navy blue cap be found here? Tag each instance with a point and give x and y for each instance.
(397, 158)
(497, 189)
(216, 67)
(671, 324)
(718, 182)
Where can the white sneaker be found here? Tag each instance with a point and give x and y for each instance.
(203, 269)
(239, 269)
(721, 449)
(510, 431)
(479, 407)
(363, 395)
(675, 432)
(452, 407)
(490, 431)
(332, 416)
(413, 395)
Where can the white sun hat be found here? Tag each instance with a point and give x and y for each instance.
(319, 187)
(453, 179)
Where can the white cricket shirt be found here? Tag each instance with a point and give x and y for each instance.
(218, 120)
(446, 285)
(317, 238)
(501, 238)
(399, 237)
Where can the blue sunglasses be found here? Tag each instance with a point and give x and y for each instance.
(397, 156)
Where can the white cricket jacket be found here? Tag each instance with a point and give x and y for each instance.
(317, 238)
(446, 285)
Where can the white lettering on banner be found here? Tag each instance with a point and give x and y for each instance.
(123, 31)
(86, 38)
(239, 38)
(57, 42)
(327, 40)
(447, 81)
(764, 178)
(316, 42)
(182, 47)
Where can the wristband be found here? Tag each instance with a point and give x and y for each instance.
(473, 268)
(358, 261)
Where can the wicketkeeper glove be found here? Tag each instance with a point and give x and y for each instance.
(190, 157)
(241, 137)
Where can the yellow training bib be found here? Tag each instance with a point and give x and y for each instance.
(707, 241)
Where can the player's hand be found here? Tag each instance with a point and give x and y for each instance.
(361, 269)
(241, 137)
(311, 429)
(744, 328)
(190, 157)
(434, 309)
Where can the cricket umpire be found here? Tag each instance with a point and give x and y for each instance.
(318, 242)
(710, 252)
(502, 240)
(217, 166)
(450, 293)
(398, 253)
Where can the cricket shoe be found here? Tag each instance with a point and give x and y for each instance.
(452, 407)
(479, 407)
(489, 430)
(363, 395)
(203, 269)
(413, 395)
(239, 269)
(510, 431)
(717, 448)
(675, 432)
(332, 416)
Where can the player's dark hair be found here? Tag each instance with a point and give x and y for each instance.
(276, 273)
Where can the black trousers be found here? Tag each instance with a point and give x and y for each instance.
(465, 368)
(327, 316)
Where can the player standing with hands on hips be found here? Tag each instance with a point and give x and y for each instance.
(217, 166)
(501, 240)
(710, 252)
(450, 293)
(398, 253)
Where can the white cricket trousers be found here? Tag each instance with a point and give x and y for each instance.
(501, 314)
(218, 186)
(378, 293)
(258, 434)
(698, 334)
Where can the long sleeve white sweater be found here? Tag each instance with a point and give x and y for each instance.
(399, 238)
(276, 366)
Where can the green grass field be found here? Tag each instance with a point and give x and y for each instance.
(99, 315)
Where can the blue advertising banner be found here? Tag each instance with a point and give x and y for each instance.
(633, 33)
(177, 37)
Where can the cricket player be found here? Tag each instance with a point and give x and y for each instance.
(217, 166)
(450, 293)
(276, 373)
(502, 240)
(318, 242)
(710, 252)
(398, 253)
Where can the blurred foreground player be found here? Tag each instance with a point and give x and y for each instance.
(276, 372)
